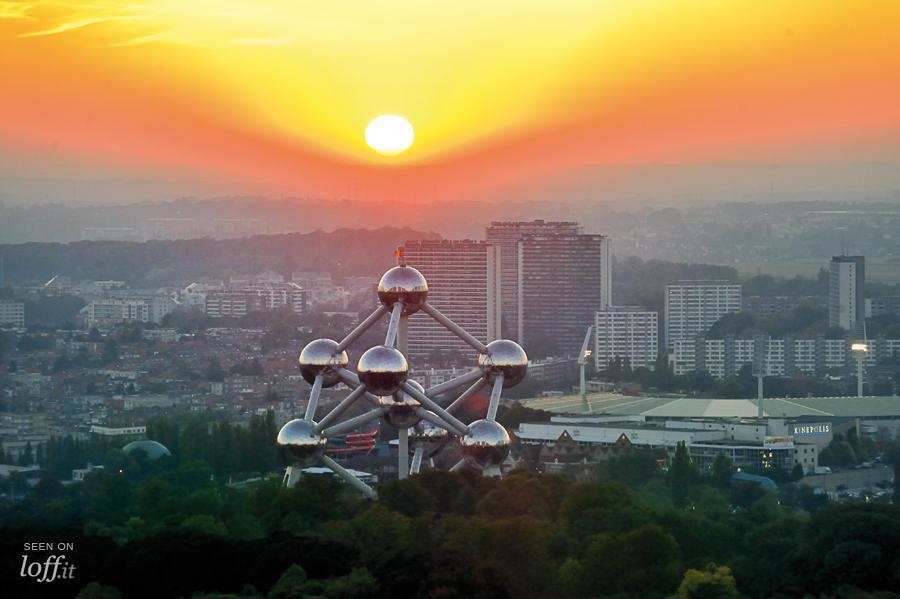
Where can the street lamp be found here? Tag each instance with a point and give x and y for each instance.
(859, 350)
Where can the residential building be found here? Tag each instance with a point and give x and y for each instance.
(563, 280)
(507, 235)
(846, 294)
(237, 300)
(692, 307)
(464, 284)
(626, 332)
(109, 312)
(12, 314)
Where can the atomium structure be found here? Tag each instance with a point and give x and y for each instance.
(382, 380)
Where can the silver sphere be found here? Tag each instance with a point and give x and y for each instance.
(298, 440)
(406, 284)
(402, 410)
(402, 414)
(321, 357)
(382, 369)
(507, 357)
(432, 438)
(487, 443)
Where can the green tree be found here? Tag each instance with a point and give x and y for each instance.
(27, 456)
(95, 590)
(291, 585)
(714, 582)
(682, 474)
(721, 471)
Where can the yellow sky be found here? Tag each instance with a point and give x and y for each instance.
(494, 89)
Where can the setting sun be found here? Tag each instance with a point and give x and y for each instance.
(389, 134)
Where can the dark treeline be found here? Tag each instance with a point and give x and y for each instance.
(344, 251)
(638, 532)
(225, 448)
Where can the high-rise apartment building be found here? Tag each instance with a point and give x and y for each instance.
(109, 312)
(507, 235)
(626, 332)
(239, 299)
(464, 284)
(692, 307)
(12, 313)
(563, 280)
(846, 297)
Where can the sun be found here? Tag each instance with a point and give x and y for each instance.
(389, 134)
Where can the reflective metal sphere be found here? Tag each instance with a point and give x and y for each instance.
(487, 442)
(321, 356)
(402, 414)
(382, 369)
(406, 284)
(507, 357)
(402, 410)
(298, 440)
(432, 438)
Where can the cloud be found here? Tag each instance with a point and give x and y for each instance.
(15, 10)
(72, 25)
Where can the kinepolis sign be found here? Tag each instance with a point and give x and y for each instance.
(807, 430)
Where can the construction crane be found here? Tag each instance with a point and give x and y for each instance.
(582, 360)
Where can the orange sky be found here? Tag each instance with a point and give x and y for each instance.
(277, 95)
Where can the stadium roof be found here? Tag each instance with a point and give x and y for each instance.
(692, 407)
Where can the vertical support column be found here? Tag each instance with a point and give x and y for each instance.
(403, 433)
(403, 336)
(291, 475)
(759, 395)
(859, 375)
(403, 453)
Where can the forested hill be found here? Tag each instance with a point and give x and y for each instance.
(343, 251)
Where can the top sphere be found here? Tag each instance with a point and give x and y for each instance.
(404, 284)
(382, 369)
(506, 357)
(321, 357)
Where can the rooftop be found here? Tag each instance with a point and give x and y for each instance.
(690, 407)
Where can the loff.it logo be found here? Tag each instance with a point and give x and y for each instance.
(54, 566)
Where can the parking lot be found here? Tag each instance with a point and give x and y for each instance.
(853, 479)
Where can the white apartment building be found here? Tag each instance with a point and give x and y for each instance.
(626, 332)
(692, 307)
(464, 284)
(12, 314)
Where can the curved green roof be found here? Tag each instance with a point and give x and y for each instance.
(153, 449)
